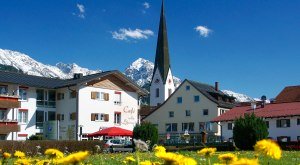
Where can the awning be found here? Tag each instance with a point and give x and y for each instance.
(112, 131)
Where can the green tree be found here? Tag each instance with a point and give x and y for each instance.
(146, 131)
(248, 130)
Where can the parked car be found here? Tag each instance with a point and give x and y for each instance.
(118, 145)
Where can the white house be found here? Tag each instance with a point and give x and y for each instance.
(190, 108)
(81, 105)
(282, 119)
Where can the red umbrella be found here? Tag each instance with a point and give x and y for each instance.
(112, 131)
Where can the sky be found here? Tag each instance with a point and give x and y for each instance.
(249, 46)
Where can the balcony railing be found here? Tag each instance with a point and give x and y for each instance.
(9, 101)
(48, 104)
(7, 126)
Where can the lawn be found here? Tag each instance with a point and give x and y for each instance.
(288, 157)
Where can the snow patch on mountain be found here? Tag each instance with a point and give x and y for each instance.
(32, 67)
(141, 72)
(238, 96)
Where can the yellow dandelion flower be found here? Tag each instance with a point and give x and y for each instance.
(43, 162)
(147, 162)
(73, 158)
(207, 152)
(244, 161)
(19, 154)
(269, 148)
(22, 161)
(187, 161)
(54, 153)
(227, 158)
(159, 149)
(6, 155)
(129, 159)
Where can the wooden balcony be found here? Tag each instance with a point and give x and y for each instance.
(8, 101)
(7, 126)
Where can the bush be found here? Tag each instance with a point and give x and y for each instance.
(35, 137)
(248, 130)
(146, 131)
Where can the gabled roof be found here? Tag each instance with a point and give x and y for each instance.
(54, 83)
(289, 94)
(212, 94)
(162, 59)
(205, 89)
(269, 111)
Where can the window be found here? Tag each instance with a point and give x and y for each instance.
(2, 114)
(60, 117)
(187, 112)
(3, 90)
(298, 138)
(197, 98)
(187, 127)
(117, 98)
(205, 112)
(179, 100)
(171, 127)
(117, 118)
(72, 116)
(201, 126)
(171, 114)
(205, 126)
(45, 98)
(60, 96)
(98, 116)
(22, 94)
(298, 121)
(157, 92)
(187, 87)
(104, 96)
(284, 138)
(283, 123)
(23, 116)
(39, 117)
(51, 116)
(267, 123)
(229, 126)
(169, 91)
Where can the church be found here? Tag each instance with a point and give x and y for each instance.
(187, 109)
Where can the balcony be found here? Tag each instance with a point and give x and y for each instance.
(9, 101)
(7, 126)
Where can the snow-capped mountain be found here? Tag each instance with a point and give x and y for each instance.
(141, 72)
(32, 67)
(239, 97)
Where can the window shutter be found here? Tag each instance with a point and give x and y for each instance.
(93, 117)
(93, 95)
(106, 117)
(106, 96)
(58, 117)
(277, 123)
(73, 116)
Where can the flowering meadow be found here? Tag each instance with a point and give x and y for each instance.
(265, 152)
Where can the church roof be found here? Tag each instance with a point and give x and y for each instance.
(162, 59)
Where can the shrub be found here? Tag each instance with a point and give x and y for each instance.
(35, 137)
(146, 131)
(248, 130)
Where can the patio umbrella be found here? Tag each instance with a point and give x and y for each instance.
(112, 131)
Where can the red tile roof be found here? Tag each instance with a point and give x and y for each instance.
(289, 94)
(269, 111)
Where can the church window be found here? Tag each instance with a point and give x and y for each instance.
(179, 100)
(157, 92)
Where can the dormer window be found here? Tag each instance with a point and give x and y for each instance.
(156, 80)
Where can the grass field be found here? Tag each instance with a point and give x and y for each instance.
(288, 158)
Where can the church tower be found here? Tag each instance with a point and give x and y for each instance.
(162, 84)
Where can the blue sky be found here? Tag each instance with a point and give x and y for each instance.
(249, 46)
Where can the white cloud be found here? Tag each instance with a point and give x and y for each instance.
(146, 5)
(203, 30)
(126, 34)
(81, 9)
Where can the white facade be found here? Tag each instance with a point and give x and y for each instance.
(282, 132)
(120, 106)
(160, 90)
(186, 109)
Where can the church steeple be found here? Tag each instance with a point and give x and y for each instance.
(162, 59)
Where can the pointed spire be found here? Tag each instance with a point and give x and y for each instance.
(162, 59)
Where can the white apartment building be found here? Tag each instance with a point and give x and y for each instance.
(66, 109)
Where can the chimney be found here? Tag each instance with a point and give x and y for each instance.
(216, 86)
(77, 75)
(263, 99)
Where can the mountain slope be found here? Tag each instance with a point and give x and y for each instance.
(141, 72)
(239, 97)
(30, 66)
